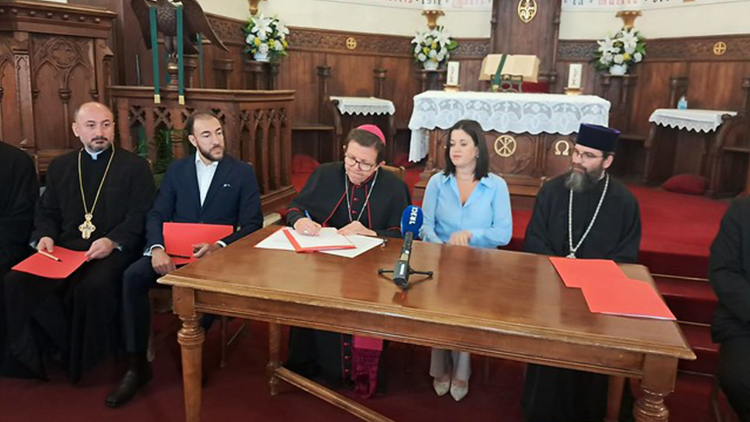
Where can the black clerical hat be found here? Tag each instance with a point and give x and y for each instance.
(598, 137)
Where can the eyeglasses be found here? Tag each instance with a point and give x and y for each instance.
(351, 161)
(585, 155)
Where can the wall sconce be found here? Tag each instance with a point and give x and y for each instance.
(628, 17)
(432, 17)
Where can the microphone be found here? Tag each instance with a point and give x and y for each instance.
(411, 222)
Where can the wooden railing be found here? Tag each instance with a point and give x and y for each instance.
(257, 128)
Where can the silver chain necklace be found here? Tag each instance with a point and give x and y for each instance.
(573, 250)
(367, 199)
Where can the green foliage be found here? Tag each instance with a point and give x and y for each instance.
(163, 144)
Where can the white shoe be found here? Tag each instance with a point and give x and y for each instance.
(441, 387)
(459, 393)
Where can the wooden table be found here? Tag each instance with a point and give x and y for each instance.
(496, 303)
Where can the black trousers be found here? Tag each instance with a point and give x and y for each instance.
(74, 320)
(3, 323)
(138, 279)
(734, 374)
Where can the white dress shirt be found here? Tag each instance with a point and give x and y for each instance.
(205, 175)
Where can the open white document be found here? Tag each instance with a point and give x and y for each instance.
(279, 241)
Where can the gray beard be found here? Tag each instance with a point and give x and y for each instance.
(582, 182)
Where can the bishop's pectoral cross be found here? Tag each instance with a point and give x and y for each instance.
(87, 227)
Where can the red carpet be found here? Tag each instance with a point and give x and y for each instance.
(239, 391)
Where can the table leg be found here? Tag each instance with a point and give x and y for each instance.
(650, 407)
(191, 337)
(274, 359)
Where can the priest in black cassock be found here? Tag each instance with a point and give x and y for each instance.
(588, 214)
(356, 197)
(19, 191)
(95, 201)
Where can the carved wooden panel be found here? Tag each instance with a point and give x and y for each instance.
(257, 129)
(53, 57)
(539, 36)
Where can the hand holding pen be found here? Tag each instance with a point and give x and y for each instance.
(307, 226)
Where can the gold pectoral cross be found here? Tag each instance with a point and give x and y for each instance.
(87, 227)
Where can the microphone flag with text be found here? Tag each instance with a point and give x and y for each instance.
(411, 223)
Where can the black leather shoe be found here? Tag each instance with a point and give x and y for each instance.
(128, 386)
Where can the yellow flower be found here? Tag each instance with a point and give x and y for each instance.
(256, 41)
(626, 57)
(285, 43)
(426, 50)
(433, 45)
(271, 43)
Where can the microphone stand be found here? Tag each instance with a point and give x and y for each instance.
(407, 285)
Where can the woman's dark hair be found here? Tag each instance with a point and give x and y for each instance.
(474, 130)
(367, 139)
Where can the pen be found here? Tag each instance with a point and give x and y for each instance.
(50, 256)
(307, 214)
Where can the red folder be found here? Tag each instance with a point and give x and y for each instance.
(47, 267)
(583, 272)
(328, 247)
(628, 298)
(179, 238)
(608, 290)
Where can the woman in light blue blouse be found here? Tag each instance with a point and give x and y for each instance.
(464, 205)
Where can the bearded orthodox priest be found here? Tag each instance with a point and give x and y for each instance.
(585, 214)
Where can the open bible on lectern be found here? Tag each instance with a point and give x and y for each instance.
(507, 72)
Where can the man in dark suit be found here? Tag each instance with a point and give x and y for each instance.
(729, 274)
(208, 187)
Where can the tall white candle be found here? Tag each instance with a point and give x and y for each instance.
(451, 78)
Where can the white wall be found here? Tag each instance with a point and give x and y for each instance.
(683, 20)
(355, 17)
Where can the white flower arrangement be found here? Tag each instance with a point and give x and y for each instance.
(617, 53)
(266, 37)
(433, 45)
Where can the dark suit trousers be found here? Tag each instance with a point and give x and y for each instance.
(139, 278)
(734, 374)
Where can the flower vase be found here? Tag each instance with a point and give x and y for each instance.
(618, 69)
(430, 65)
(261, 57)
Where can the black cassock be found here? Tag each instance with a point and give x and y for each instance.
(565, 395)
(314, 353)
(76, 321)
(19, 191)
